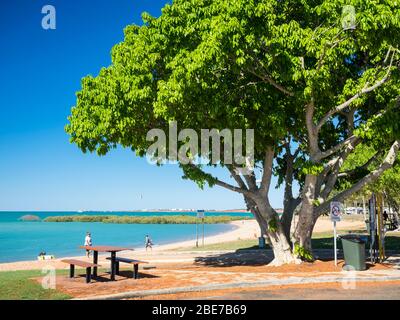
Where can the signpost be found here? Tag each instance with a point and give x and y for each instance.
(380, 227)
(372, 228)
(335, 213)
(200, 215)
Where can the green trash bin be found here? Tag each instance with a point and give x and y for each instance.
(354, 252)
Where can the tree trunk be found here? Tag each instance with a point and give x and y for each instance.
(306, 221)
(288, 216)
(280, 246)
(273, 229)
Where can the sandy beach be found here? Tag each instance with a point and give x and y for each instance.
(245, 229)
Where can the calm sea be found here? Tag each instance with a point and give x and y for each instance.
(24, 240)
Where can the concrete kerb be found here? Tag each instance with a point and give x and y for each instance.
(238, 285)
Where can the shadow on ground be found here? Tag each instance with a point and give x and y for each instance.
(323, 250)
(237, 258)
(123, 274)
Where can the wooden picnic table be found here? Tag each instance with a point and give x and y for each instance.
(112, 249)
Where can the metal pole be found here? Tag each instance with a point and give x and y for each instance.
(364, 209)
(372, 221)
(197, 234)
(381, 235)
(203, 231)
(334, 241)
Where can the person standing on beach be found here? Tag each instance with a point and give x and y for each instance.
(88, 242)
(148, 242)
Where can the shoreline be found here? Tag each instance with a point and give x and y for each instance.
(241, 231)
(128, 211)
(244, 229)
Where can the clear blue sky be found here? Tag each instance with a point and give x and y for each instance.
(40, 73)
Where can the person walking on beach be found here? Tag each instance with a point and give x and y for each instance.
(88, 242)
(148, 242)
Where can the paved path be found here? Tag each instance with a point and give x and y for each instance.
(344, 281)
(381, 291)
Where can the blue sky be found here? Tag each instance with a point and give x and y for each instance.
(40, 73)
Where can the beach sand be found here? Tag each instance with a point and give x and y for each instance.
(245, 229)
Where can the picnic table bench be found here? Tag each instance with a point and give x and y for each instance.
(72, 263)
(129, 261)
(109, 249)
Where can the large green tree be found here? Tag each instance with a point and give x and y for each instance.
(312, 85)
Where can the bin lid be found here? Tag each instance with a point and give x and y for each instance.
(354, 238)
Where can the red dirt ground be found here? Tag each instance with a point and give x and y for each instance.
(181, 275)
(316, 266)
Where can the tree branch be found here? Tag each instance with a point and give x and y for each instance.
(218, 182)
(237, 178)
(251, 181)
(311, 130)
(272, 82)
(289, 174)
(386, 164)
(322, 57)
(365, 90)
(267, 173)
(324, 154)
(364, 166)
(322, 176)
(330, 184)
(267, 78)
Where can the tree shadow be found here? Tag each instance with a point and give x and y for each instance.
(323, 249)
(392, 243)
(254, 256)
(241, 257)
(325, 243)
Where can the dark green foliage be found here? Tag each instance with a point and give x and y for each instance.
(182, 219)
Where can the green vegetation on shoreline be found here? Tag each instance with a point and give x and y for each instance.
(178, 219)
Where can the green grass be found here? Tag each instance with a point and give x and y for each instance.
(231, 245)
(178, 219)
(18, 285)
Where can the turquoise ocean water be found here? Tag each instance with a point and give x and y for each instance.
(24, 240)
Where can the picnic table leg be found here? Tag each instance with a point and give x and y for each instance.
(112, 266)
(71, 270)
(135, 271)
(88, 272)
(95, 259)
(117, 267)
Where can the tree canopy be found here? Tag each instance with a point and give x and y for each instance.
(311, 89)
